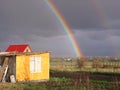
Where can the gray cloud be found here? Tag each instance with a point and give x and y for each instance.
(27, 16)
(94, 23)
(108, 45)
(89, 13)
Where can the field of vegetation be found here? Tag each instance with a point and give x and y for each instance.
(87, 73)
(64, 83)
(104, 71)
(90, 64)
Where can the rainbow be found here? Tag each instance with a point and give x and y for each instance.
(65, 27)
(101, 13)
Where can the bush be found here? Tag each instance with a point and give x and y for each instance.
(81, 62)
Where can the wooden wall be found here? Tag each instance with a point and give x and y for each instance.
(11, 66)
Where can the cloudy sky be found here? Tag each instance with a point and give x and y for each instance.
(95, 23)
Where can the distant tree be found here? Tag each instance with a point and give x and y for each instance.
(81, 62)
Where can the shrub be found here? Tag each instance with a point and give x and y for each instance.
(81, 62)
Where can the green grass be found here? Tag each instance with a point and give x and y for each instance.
(62, 84)
(61, 64)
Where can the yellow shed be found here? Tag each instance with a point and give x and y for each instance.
(30, 66)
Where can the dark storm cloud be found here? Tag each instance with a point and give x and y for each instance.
(89, 13)
(96, 27)
(105, 45)
(79, 14)
(25, 17)
(26, 21)
(24, 13)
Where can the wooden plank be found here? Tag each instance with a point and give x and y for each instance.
(2, 70)
(6, 69)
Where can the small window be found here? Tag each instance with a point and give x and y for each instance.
(27, 50)
(35, 64)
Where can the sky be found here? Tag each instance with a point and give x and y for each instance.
(94, 23)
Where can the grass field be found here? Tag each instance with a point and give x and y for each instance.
(63, 83)
(61, 64)
(68, 74)
(100, 64)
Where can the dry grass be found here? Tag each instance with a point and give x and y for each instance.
(9, 86)
(84, 64)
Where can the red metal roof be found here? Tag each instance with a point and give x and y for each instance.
(17, 48)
